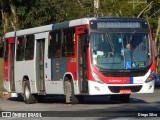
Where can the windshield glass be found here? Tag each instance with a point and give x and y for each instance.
(120, 50)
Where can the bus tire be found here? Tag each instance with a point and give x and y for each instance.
(28, 97)
(71, 98)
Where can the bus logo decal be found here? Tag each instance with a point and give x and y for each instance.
(57, 67)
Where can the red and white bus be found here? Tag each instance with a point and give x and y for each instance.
(80, 57)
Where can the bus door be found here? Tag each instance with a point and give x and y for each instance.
(9, 83)
(11, 67)
(40, 50)
(82, 59)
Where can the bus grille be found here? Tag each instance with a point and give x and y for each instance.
(116, 89)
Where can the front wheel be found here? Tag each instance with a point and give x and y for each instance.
(71, 98)
(28, 97)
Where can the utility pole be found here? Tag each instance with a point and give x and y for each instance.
(96, 7)
(135, 3)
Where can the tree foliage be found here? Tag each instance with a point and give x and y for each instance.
(21, 14)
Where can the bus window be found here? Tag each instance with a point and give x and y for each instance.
(20, 49)
(29, 48)
(68, 43)
(55, 45)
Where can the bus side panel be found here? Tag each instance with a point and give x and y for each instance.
(52, 85)
(73, 67)
(6, 81)
(48, 81)
(24, 68)
(58, 69)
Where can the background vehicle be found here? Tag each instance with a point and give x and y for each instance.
(157, 80)
(81, 57)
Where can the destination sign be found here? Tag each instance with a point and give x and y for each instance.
(118, 24)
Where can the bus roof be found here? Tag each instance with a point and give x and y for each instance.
(50, 27)
(71, 23)
(10, 34)
(34, 30)
(55, 26)
(82, 21)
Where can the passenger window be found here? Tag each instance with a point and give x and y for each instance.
(29, 47)
(68, 42)
(20, 49)
(55, 45)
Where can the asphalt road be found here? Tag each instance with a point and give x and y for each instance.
(99, 107)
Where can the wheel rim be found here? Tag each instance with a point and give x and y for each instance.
(27, 92)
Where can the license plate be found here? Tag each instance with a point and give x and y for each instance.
(125, 91)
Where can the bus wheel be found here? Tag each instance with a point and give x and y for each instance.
(70, 97)
(28, 97)
(120, 98)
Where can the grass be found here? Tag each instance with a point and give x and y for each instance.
(1, 73)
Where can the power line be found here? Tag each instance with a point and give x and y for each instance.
(145, 9)
(158, 11)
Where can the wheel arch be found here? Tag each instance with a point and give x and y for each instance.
(25, 79)
(68, 76)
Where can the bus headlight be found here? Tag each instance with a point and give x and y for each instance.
(97, 78)
(150, 78)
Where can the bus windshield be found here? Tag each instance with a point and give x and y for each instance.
(115, 50)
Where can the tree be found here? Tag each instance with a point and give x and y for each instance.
(20, 14)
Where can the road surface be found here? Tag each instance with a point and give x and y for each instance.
(98, 108)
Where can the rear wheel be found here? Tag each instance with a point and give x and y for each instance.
(28, 97)
(71, 98)
(121, 98)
